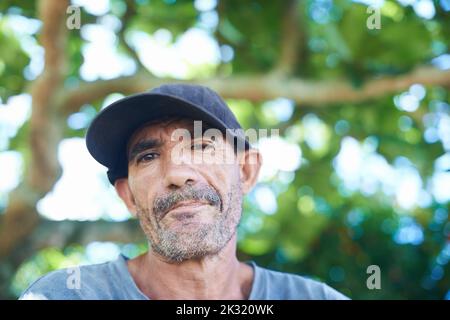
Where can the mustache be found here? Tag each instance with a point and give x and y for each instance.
(203, 193)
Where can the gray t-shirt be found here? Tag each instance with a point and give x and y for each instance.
(112, 281)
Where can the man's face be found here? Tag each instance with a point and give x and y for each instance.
(188, 209)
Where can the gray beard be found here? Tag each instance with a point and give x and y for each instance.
(207, 240)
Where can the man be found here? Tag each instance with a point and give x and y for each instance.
(187, 196)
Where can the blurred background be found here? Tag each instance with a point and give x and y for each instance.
(359, 176)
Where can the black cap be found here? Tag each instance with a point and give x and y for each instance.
(109, 132)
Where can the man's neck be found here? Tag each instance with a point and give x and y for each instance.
(216, 277)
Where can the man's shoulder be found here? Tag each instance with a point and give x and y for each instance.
(80, 282)
(289, 286)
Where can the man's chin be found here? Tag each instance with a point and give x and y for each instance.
(189, 225)
(190, 244)
(179, 255)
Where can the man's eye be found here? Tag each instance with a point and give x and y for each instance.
(147, 157)
(204, 146)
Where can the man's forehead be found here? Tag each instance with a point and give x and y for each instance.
(156, 129)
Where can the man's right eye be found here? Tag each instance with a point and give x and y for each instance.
(147, 157)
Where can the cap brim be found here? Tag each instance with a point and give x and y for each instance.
(108, 134)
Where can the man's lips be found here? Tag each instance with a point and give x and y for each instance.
(186, 204)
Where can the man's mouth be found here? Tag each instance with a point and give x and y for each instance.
(189, 204)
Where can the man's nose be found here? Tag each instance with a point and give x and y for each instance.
(179, 172)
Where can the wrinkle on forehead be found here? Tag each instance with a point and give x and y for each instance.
(159, 126)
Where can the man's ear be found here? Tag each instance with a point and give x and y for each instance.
(250, 164)
(124, 192)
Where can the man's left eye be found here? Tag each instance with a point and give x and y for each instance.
(147, 157)
(204, 146)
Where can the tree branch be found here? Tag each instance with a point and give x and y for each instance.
(129, 13)
(20, 217)
(45, 122)
(291, 39)
(62, 233)
(259, 88)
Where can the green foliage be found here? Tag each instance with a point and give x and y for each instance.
(245, 27)
(43, 262)
(13, 60)
(175, 16)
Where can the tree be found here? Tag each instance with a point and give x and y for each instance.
(318, 54)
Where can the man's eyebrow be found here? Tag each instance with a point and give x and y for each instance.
(142, 146)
